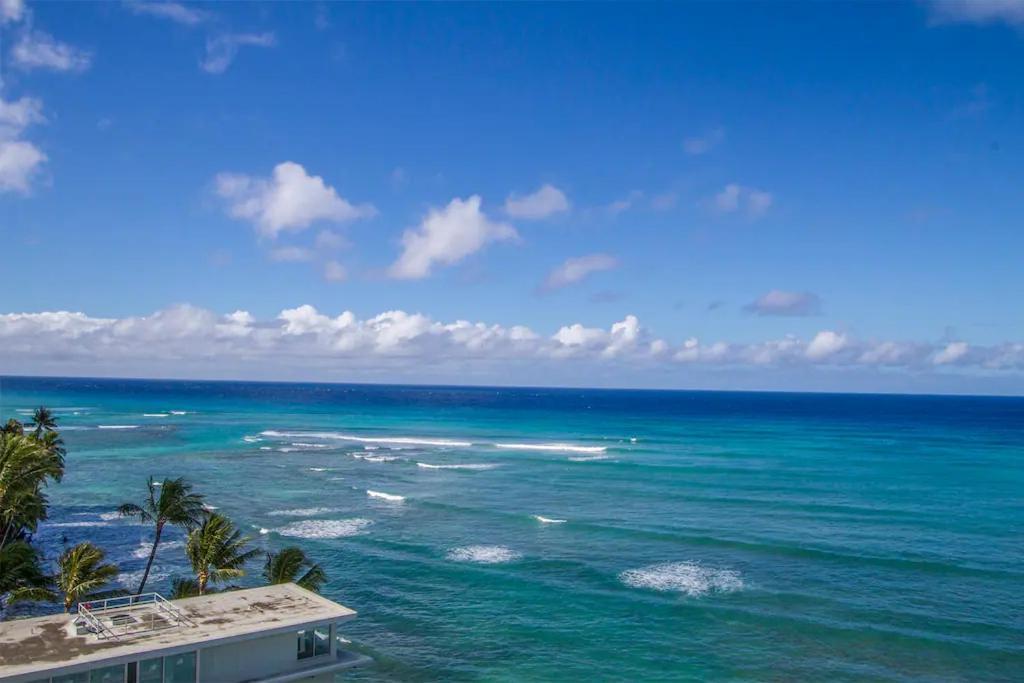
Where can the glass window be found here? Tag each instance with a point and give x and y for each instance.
(305, 644)
(108, 674)
(151, 670)
(82, 677)
(322, 641)
(180, 668)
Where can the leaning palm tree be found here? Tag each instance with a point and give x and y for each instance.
(174, 504)
(81, 573)
(43, 421)
(291, 565)
(216, 551)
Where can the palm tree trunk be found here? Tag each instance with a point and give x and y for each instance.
(152, 554)
(203, 578)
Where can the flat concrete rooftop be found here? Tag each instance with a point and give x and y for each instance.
(43, 644)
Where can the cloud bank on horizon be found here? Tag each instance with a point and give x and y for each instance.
(302, 341)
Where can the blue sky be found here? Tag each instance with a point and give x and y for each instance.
(727, 173)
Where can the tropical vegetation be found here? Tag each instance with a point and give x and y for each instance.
(32, 456)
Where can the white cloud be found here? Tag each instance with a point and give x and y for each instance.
(446, 236)
(39, 50)
(736, 198)
(778, 302)
(952, 353)
(826, 343)
(172, 11)
(977, 11)
(19, 163)
(290, 199)
(304, 338)
(546, 201)
(625, 203)
(11, 11)
(221, 50)
(575, 269)
(20, 160)
(335, 272)
(702, 144)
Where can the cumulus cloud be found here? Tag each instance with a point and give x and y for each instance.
(306, 338)
(546, 201)
(446, 236)
(39, 50)
(290, 199)
(172, 11)
(702, 144)
(11, 11)
(221, 50)
(736, 198)
(977, 11)
(20, 160)
(575, 269)
(778, 302)
(335, 272)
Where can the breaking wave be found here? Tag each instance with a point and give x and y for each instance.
(325, 528)
(117, 426)
(483, 554)
(390, 497)
(301, 512)
(557, 447)
(464, 466)
(548, 520)
(690, 578)
(338, 436)
(156, 415)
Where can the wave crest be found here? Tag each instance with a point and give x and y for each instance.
(325, 528)
(557, 447)
(483, 554)
(691, 578)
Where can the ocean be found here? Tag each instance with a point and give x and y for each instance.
(498, 534)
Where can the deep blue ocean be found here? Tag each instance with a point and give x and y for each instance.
(499, 534)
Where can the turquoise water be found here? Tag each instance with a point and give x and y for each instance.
(721, 536)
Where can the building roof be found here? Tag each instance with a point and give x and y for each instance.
(43, 645)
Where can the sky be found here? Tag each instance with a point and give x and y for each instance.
(778, 196)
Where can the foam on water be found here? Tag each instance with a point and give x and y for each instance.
(548, 520)
(76, 524)
(406, 440)
(325, 528)
(557, 447)
(251, 439)
(690, 578)
(302, 444)
(483, 554)
(178, 412)
(302, 512)
(156, 415)
(390, 497)
(117, 426)
(142, 552)
(587, 458)
(317, 469)
(376, 458)
(130, 580)
(463, 466)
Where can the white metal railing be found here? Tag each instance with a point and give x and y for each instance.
(130, 614)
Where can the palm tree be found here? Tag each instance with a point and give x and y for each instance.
(13, 427)
(81, 573)
(287, 565)
(26, 466)
(217, 551)
(175, 504)
(21, 575)
(43, 420)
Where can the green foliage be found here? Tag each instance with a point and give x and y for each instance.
(82, 573)
(291, 565)
(217, 551)
(172, 503)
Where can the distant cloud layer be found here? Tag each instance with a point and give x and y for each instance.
(778, 302)
(546, 201)
(20, 160)
(304, 339)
